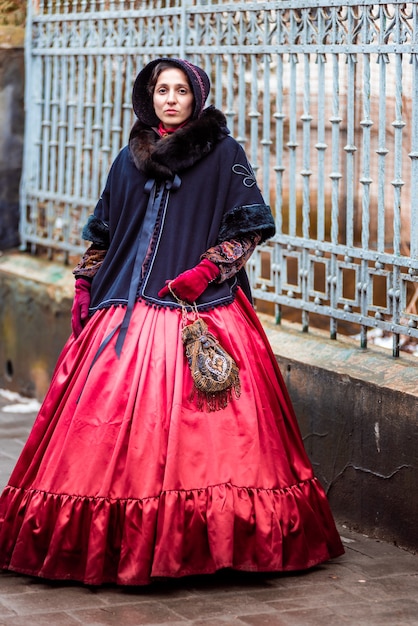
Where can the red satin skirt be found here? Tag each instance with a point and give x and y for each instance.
(123, 479)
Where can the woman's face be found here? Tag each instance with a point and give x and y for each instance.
(173, 98)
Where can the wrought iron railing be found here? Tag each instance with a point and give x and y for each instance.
(323, 97)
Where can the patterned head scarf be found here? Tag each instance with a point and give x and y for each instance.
(142, 99)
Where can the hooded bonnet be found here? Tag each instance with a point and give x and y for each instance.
(142, 99)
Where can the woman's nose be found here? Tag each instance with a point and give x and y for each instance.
(171, 96)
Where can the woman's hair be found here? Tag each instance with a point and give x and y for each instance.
(160, 67)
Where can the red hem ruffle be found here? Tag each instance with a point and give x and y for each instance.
(98, 540)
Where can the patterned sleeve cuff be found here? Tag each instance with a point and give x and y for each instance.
(90, 262)
(230, 256)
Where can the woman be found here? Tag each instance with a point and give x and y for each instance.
(132, 471)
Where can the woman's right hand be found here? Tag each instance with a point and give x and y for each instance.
(189, 285)
(81, 303)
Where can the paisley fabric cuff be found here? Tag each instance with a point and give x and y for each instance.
(231, 256)
(90, 262)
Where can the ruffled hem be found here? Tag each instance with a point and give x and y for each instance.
(98, 540)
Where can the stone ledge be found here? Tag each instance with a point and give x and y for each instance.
(41, 271)
(12, 36)
(343, 356)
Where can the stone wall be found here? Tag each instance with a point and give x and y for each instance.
(35, 296)
(358, 414)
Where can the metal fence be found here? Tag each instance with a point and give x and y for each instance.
(324, 99)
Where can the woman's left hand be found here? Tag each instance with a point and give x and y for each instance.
(189, 285)
(81, 303)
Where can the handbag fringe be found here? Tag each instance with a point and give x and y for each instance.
(215, 401)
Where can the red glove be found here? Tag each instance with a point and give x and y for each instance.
(189, 285)
(80, 308)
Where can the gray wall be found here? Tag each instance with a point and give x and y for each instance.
(358, 412)
(35, 296)
(11, 142)
(362, 438)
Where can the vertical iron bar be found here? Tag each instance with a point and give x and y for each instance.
(98, 125)
(382, 151)
(292, 144)
(306, 172)
(266, 141)
(107, 104)
(254, 114)
(88, 137)
(320, 145)
(350, 147)
(414, 153)
(397, 183)
(279, 167)
(366, 123)
(241, 127)
(335, 175)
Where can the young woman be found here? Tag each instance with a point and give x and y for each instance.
(132, 471)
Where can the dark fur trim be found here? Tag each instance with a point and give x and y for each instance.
(163, 158)
(245, 219)
(97, 232)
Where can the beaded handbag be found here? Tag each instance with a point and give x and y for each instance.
(215, 373)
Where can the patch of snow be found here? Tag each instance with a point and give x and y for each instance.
(20, 403)
(377, 337)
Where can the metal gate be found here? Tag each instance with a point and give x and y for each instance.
(323, 98)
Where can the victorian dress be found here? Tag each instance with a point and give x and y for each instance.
(126, 477)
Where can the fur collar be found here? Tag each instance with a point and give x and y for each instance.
(162, 158)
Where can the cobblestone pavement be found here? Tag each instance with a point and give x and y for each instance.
(373, 584)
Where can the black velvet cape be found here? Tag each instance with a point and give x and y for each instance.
(207, 194)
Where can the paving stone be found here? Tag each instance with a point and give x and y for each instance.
(396, 610)
(140, 614)
(372, 549)
(217, 621)
(381, 568)
(399, 612)
(215, 604)
(12, 583)
(302, 617)
(263, 619)
(311, 598)
(4, 611)
(400, 587)
(128, 595)
(324, 573)
(376, 590)
(41, 619)
(13, 450)
(50, 600)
